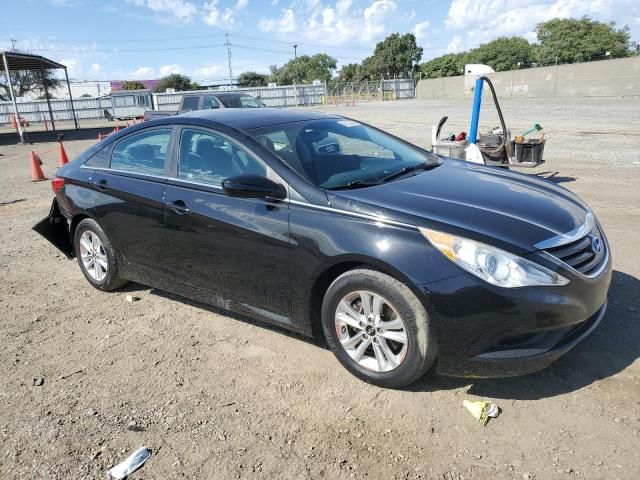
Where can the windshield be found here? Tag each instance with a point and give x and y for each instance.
(341, 153)
(239, 101)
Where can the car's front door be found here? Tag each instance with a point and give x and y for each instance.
(237, 248)
(129, 196)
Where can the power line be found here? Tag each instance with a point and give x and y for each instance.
(127, 50)
(195, 37)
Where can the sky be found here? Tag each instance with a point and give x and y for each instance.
(146, 39)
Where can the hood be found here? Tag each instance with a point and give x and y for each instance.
(493, 205)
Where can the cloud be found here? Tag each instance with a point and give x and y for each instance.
(210, 72)
(455, 44)
(285, 24)
(169, 69)
(215, 17)
(65, 3)
(483, 20)
(182, 10)
(143, 73)
(408, 16)
(421, 30)
(95, 69)
(374, 17)
(241, 4)
(334, 24)
(73, 65)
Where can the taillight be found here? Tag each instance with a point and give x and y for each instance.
(56, 184)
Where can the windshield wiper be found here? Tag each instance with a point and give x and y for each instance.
(409, 168)
(355, 184)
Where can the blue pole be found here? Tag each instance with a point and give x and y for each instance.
(475, 113)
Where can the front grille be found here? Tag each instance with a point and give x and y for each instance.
(583, 254)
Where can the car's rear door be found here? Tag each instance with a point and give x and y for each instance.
(129, 200)
(237, 248)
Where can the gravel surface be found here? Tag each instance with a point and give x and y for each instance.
(88, 377)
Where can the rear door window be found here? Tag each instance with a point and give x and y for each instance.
(190, 102)
(143, 153)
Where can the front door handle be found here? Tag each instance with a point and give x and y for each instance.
(179, 207)
(100, 184)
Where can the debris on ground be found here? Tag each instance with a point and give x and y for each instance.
(482, 410)
(38, 382)
(132, 298)
(130, 465)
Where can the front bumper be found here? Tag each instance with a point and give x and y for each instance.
(487, 331)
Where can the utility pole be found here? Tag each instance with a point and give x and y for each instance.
(295, 79)
(229, 58)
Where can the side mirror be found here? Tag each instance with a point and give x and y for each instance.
(253, 186)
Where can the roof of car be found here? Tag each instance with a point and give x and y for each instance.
(215, 93)
(228, 94)
(248, 118)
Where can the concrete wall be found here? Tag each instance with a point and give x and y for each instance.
(606, 78)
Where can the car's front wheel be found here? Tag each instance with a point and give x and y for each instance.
(378, 329)
(96, 256)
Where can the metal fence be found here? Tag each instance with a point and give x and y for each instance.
(369, 90)
(285, 96)
(38, 110)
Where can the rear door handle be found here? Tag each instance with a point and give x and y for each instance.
(179, 207)
(100, 184)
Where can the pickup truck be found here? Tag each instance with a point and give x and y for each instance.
(207, 100)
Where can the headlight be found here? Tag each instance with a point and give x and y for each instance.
(492, 264)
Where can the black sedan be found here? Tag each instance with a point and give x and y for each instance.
(327, 226)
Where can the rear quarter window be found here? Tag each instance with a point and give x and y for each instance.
(100, 159)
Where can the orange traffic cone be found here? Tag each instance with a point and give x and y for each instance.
(36, 171)
(63, 155)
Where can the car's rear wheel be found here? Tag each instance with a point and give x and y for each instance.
(96, 256)
(378, 329)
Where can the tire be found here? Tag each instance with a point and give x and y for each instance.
(88, 238)
(400, 363)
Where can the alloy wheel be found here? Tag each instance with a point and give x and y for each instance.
(93, 256)
(371, 331)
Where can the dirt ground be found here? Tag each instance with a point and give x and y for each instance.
(217, 396)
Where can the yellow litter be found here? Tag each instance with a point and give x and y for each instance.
(482, 410)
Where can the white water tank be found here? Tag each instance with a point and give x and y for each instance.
(472, 71)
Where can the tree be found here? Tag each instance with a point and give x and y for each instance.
(86, 95)
(356, 72)
(44, 96)
(133, 85)
(396, 56)
(573, 40)
(176, 81)
(27, 81)
(504, 53)
(348, 73)
(305, 68)
(448, 65)
(253, 79)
